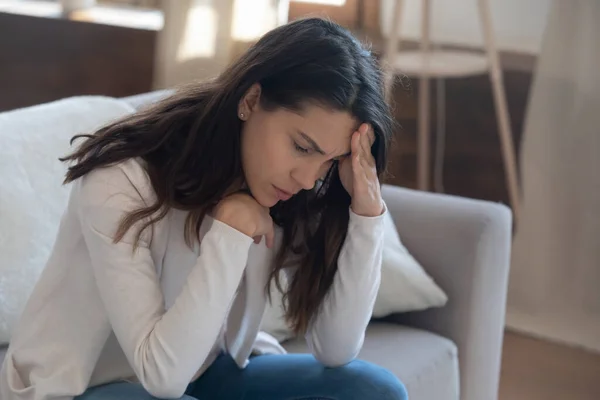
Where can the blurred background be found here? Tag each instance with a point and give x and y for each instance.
(124, 47)
(507, 112)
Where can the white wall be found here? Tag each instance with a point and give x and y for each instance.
(518, 24)
(555, 269)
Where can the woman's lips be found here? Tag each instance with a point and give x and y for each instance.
(282, 194)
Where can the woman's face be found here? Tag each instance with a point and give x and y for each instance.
(284, 152)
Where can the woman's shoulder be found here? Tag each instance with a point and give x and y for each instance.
(128, 177)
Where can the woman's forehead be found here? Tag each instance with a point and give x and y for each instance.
(331, 129)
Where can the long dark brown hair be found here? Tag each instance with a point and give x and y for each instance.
(190, 145)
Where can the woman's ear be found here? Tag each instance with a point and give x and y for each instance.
(249, 101)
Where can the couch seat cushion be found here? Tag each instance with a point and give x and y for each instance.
(426, 363)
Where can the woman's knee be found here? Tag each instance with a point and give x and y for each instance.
(365, 380)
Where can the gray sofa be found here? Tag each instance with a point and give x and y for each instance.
(453, 352)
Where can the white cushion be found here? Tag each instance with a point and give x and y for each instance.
(32, 198)
(405, 286)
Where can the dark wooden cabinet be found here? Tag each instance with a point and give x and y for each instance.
(45, 58)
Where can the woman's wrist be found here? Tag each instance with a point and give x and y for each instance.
(373, 211)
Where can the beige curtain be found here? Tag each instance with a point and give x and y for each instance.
(201, 37)
(555, 278)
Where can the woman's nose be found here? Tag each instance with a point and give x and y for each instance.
(305, 181)
(306, 176)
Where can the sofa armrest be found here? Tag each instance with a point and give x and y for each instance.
(464, 245)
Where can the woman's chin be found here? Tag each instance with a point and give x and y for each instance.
(267, 202)
(263, 198)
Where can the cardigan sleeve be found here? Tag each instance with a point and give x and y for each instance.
(164, 347)
(336, 333)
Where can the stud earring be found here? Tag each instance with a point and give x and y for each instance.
(242, 115)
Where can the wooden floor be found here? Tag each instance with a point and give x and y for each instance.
(537, 370)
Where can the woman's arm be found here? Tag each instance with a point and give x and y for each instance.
(164, 347)
(336, 334)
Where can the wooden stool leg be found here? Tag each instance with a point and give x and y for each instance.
(502, 115)
(423, 117)
(392, 48)
(440, 135)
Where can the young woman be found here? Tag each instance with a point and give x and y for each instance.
(181, 215)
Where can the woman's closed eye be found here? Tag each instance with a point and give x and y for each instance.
(301, 149)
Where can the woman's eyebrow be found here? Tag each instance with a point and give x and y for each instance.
(312, 143)
(315, 146)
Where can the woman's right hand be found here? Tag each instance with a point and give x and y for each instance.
(243, 213)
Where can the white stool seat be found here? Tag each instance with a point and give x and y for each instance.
(440, 64)
(428, 63)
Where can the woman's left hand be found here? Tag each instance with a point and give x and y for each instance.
(359, 174)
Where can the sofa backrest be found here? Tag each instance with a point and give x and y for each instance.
(142, 100)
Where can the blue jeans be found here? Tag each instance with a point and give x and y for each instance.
(274, 377)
